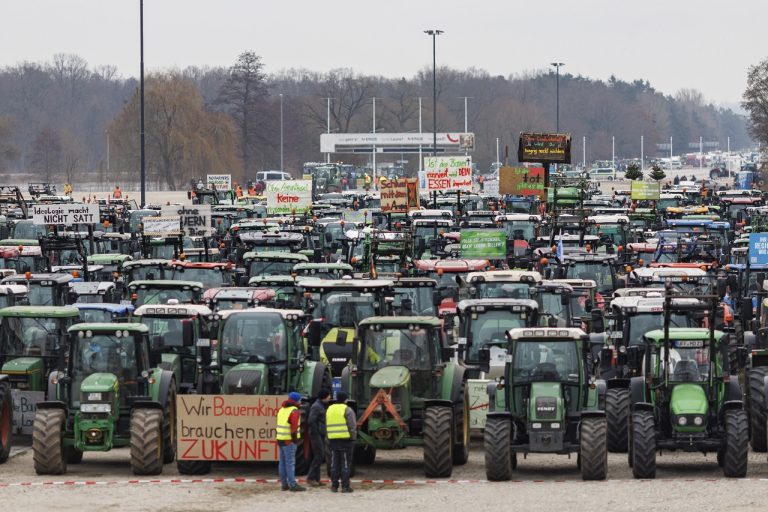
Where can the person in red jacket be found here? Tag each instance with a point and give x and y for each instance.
(288, 428)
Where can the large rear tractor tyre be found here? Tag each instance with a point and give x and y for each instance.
(498, 454)
(147, 441)
(438, 449)
(193, 467)
(461, 429)
(169, 426)
(643, 445)
(757, 412)
(736, 444)
(617, 406)
(6, 421)
(594, 449)
(48, 442)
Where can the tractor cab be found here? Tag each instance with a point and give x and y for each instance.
(265, 241)
(175, 331)
(445, 273)
(114, 248)
(111, 265)
(270, 263)
(600, 268)
(144, 270)
(102, 312)
(43, 289)
(414, 296)
(684, 280)
(93, 292)
(554, 301)
(285, 289)
(211, 275)
(13, 295)
(223, 299)
(521, 230)
(497, 284)
(161, 291)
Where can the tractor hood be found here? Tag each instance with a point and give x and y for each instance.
(99, 383)
(23, 365)
(688, 399)
(391, 377)
(246, 379)
(546, 402)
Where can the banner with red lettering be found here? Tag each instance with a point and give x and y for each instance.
(227, 427)
(288, 197)
(446, 173)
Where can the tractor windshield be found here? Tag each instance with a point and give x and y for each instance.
(519, 229)
(162, 252)
(266, 267)
(30, 336)
(552, 311)
(642, 323)
(345, 308)
(688, 364)
(502, 289)
(405, 347)
(545, 361)
(167, 330)
(414, 301)
(254, 338)
(490, 327)
(210, 277)
(105, 353)
(163, 295)
(598, 272)
(144, 273)
(226, 304)
(44, 295)
(95, 315)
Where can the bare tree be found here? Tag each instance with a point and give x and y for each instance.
(46, 157)
(72, 156)
(8, 150)
(756, 101)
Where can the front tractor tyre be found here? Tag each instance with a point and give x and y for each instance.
(643, 445)
(169, 425)
(617, 405)
(498, 454)
(49, 454)
(593, 450)
(461, 429)
(736, 444)
(438, 456)
(147, 441)
(757, 413)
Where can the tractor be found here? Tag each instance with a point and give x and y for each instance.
(408, 392)
(546, 402)
(109, 396)
(161, 291)
(686, 400)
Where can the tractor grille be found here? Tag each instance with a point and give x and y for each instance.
(241, 382)
(546, 408)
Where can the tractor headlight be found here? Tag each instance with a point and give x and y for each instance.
(698, 421)
(96, 408)
(682, 421)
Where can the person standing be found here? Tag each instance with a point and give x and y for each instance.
(341, 426)
(288, 434)
(317, 435)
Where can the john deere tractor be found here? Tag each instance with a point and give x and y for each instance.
(408, 392)
(546, 402)
(686, 399)
(109, 396)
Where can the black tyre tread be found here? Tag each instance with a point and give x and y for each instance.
(193, 467)
(461, 444)
(643, 445)
(169, 426)
(617, 409)
(147, 441)
(74, 456)
(594, 449)
(48, 451)
(498, 456)
(757, 412)
(6, 417)
(736, 447)
(438, 458)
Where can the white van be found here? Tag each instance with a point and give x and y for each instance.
(273, 176)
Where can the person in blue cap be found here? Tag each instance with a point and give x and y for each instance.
(288, 434)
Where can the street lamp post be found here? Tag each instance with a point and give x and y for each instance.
(557, 94)
(281, 132)
(141, 101)
(434, 33)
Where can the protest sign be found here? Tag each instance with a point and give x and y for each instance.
(288, 197)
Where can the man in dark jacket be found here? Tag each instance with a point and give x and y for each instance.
(341, 429)
(317, 435)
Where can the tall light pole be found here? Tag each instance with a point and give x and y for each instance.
(141, 101)
(328, 124)
(434, 33)
(281, 132)
(107, 132)
(421, 160)
(375, 183)
(557, 94)
(466, 119)
(642, 153)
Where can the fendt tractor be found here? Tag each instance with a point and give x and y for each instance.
(110, 395)
(408, 392)
(546, 402)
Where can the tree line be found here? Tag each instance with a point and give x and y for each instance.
(58, 118)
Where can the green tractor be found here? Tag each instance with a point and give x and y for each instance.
(686, 399)
(408, 392)
(546, 402)
(260, 351)
(110, 396)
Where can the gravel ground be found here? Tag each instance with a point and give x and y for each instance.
(690, 481)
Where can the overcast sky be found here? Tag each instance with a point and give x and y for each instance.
(702, 44)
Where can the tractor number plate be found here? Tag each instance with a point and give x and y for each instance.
(688, 343)
(203, 342)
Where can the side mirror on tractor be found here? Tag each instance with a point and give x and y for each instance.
(484, 358)
(313, 333)
(597, 322)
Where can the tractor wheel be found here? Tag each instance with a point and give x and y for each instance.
(303, 456)
(169, 426)
(617, 414)
(438, 449)
(499, 459)
(193, 467)
(73, 455)
(593, 452)
(643, 445)
(147, 441)
(364, 455)
(736, 444)
(757, 412)
(47, 442)
(461, 429)
(6, 421)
